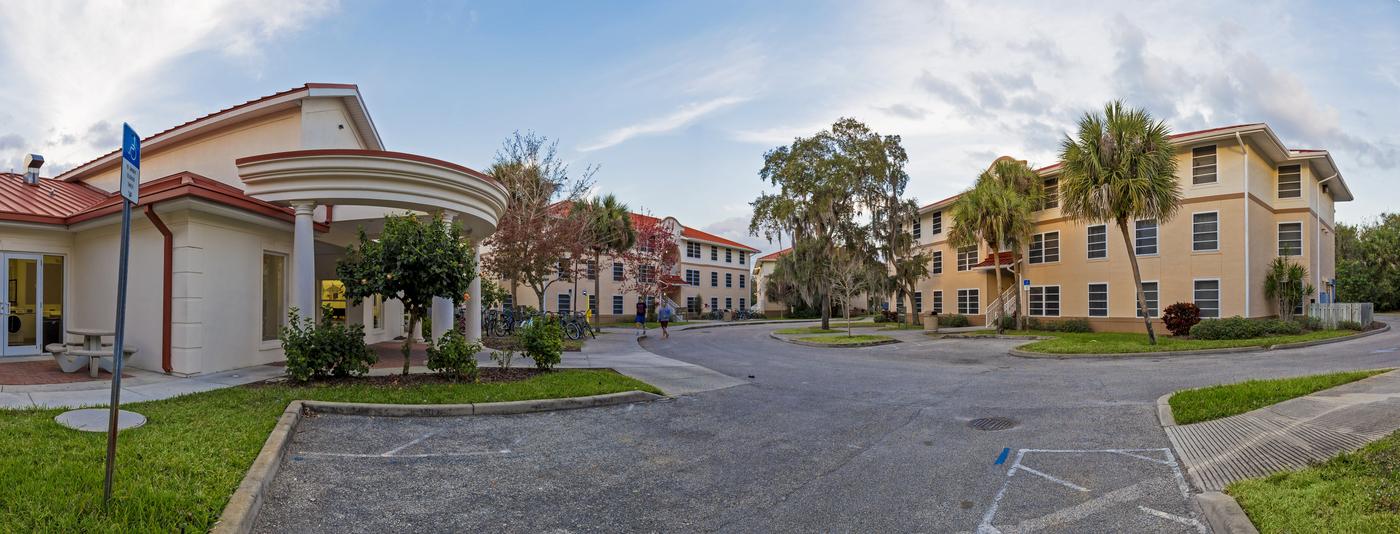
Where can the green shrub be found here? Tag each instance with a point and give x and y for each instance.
(503, 357)
(956, 320)
(1350, 325)
(1075, 326)
(1181, 317)
(542, 341)
(1008, 323)
(454, 356)
(1309, 323)
(325, 348)
(1240, 328)
(1279, 327)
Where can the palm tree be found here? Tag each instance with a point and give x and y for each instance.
(994, 214)
(1019, 222)
(1121, 167)
(1286, 284)
(610, 231)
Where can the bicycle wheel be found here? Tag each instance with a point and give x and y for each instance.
(573, 331)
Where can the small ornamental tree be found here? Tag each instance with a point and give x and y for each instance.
(650, 264)
(1180, 317)
(412, 260)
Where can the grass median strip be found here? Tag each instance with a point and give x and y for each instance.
(806, 330)
(1215, 402)
(1355, 493)
(177, 472)
(842, 339)
(1125, 342)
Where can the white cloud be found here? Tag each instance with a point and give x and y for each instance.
(71, 65)
(685, 115)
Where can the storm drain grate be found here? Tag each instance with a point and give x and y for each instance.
(992, 423)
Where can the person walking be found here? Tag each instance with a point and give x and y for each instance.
(663, 315)
(641, 317)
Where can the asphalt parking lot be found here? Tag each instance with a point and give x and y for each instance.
(869, 440)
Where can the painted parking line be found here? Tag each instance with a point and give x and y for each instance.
(1133, 489)
(1001, 459)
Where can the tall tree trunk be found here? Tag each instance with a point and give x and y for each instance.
(848, 314)
(1020, 295)
(913, 316)
(597, 285)
(826, 311)
(1137, 280)
(996, 263)
(408, 340)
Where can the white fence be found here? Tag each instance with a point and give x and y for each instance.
(1331, 314)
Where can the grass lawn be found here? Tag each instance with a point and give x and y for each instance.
(806, 330)
(1215, 402)
(842, 339)
(1355, 493)
(177, 472)
(1124, 342)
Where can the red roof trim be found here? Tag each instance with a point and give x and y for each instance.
(365, 153)
(47, 202)
(692, 233)
(1007, 258)
(773, 256)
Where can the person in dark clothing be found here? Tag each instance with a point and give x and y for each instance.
(641, 317)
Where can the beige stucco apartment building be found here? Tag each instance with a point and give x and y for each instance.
(1246, 200)
(712, 273)
(242, 216)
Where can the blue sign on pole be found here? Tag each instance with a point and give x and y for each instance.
(131, 163)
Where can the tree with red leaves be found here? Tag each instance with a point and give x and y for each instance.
(651, 263)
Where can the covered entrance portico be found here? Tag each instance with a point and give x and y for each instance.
(357, 188)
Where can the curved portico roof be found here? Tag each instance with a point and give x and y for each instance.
(376, 178)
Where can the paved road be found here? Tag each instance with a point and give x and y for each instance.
(857, 440)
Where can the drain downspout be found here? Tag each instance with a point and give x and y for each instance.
(167, 272)
(1244, 149)
(1317, 242)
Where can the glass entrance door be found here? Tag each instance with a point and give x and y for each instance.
(21, 304)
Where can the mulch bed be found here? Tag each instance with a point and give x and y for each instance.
(488, 374)
(510, 343)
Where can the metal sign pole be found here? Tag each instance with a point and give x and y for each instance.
(117, 352)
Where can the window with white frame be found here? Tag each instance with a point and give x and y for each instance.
(1045, 248)
(565, 300)
(617, 271)
(918, 229)
(1045, 301)
(714, 253)
(743, 304)
(692, 277)
(714, 278)
(937, 262)
(692, 304)
(617, 304)
(1052, 194)
(1290, 239)
(936, 223)
(1205, 231)
(967, 257)
(1097, 239)
(728, 303)
(592, 270)
(646, 274)
(1203, 165)
(937, 301)
(1098, 300)
(714, 304)
(742, 257)
(1290, 181)
(729, 255)
(692, 250)
(1149, 294)
(742, 280)
(1207, 297)
(1145, 238)
(274, 294)
(968, 303)
(918, 302)
(728, 279)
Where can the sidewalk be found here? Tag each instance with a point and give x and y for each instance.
(137, 385)
(1289, 435)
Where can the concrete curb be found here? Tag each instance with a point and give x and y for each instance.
(937, 335)
(1164, 410)
(1224, 514)
(890, 341)
(743, 323)
(242, 509)
(1233, 350)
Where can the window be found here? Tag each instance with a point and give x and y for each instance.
(1290, 181)
(714, 279)
(508, 302)
(728, 279)
(564, 303)
(967, 302)
(743, 304)
(692, 250)
(593, 303)
(1045, 301)
(1290, 238)
(918, 229)
(714, 304)
(729, 255)
(967, 257)
(617, 304)
(646, 274)
(333, 296)
(377, 311)
(742, 256)
(274, 294)
(918, 302)
(1203, 165)
(937, 301)
(1052, 194)
(1098, 242)
(742, 280)
(899, 302)
(1098, 300)
(714, 253)
(617, 271)
(937, 262)
(1045, 248)
(728, 303)
(936, 224)
(1145, 242)
(592, 270)
(1207, 297)
(692, 304)
(562, 269)
(692, 277)
(1149, 293)
(1205, 231)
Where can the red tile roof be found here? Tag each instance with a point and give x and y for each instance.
(773, 256)
(48, 202)
(692, 233)
(1007, 258)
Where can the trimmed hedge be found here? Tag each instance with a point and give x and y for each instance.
(1241, 328)
(1071, 326)
(956, 320)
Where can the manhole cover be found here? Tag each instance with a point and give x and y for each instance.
(992, 423)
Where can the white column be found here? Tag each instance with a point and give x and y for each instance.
(442, 308)
(304, 260)
(474, 301)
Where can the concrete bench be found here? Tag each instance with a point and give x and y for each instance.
(72, 358)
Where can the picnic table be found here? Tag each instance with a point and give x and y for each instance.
(91, 353)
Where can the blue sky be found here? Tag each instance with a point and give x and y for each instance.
(677, 101)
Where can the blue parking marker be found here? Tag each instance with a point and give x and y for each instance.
(1004, 453)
